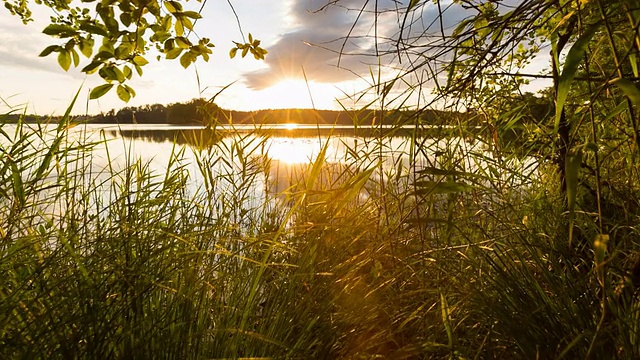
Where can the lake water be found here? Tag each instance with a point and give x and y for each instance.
(261, 161)
(289, 148)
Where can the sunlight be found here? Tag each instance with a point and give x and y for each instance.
(294, 94)
(290, 126)
(291, 93)
(293, 150)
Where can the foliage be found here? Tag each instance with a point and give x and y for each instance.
(586, 144)
(125, 33)
(520, 240)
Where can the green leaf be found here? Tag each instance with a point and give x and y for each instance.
(572, 169)
(186, 22)
(573, 60)
(629, 88)
(169, 45)
(100, 91)
(160, 36)
(18, 187)
(192, 14)
(179, 27)
(59, 30)
(123, 51)
(173, 6)
(107, 46)
(462, 26)
(86, 47)
(633, 59)
(183, 42)
(617, 110)
(128, 73)
(130, 90)
(108, 73)
(94, 29)
(174, 53)
(140, 61)
(233, 52)
(125, 18)
(138, 69)
(167, 21)
(119, 74)
(170, 8)
(92, 67)
(412, 4)
(70, 44)
(75, 57)
(103, 55)
(49, 49)
(108, 16)
(64, 59)
(186, 59)
(123, 94)
(591, 146)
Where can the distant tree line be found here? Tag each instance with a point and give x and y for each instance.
(534, 109)
(202, 112)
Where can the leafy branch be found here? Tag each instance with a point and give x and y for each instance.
(127, 31)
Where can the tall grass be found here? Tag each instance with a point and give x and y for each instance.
(459, 255)
(518, 240)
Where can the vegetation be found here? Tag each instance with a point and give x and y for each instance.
(128, 32)
(469, 245)
(201, 112)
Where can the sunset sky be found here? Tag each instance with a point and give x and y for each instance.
(299, 35)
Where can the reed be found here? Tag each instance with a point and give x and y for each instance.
(518, 239)
(464, 254)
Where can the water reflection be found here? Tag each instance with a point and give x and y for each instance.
(263, 163)
(295, 150)
(290, 149)
(285, 157)
(190, 134)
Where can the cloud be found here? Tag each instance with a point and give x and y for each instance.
(316, 43)
(21, 44)
(324, 44)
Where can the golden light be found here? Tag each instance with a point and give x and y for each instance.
(290, 126)
(296, 94)
(293, 150)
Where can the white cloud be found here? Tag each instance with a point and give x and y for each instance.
(346, 39)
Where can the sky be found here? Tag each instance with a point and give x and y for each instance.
(303, 69)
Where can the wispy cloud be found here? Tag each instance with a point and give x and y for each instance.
(20, 46)
(344, 40)
(316, 43)
(23, 52)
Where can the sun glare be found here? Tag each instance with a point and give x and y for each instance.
(297, 94)
(290, 126)
(293, 151)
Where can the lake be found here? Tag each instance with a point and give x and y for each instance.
(258, 162)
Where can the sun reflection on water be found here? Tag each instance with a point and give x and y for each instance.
(294, 151)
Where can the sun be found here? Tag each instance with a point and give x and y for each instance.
(298, 94)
